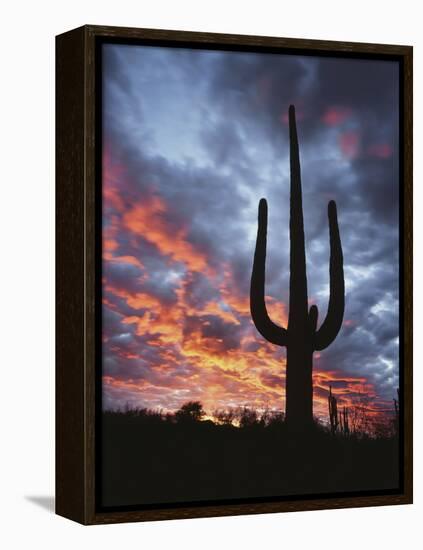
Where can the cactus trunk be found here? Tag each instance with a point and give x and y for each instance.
(299, 386)
(300, 337)
(299, 389)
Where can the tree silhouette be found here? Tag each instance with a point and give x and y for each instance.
(301, 338)
(225, 417)
(192, 411)
(248, 417)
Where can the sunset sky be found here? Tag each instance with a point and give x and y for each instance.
(191, 141)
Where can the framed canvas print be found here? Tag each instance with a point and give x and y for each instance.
(234, 274)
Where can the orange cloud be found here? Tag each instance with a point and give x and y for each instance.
(242, 377)
(149, 220)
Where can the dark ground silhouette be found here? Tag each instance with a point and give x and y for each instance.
(150, 458)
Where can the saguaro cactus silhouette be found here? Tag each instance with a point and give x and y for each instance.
(301, 337)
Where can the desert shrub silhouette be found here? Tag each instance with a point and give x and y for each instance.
(190, 412)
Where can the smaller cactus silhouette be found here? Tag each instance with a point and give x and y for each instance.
(343, 421)
(333, 411)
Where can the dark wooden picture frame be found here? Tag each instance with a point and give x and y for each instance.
(78, 226)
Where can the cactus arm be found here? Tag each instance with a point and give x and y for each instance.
(333, 322)
(272, 332)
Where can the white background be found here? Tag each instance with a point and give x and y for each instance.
(27, 273)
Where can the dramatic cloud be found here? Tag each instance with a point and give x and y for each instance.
(192, 140)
